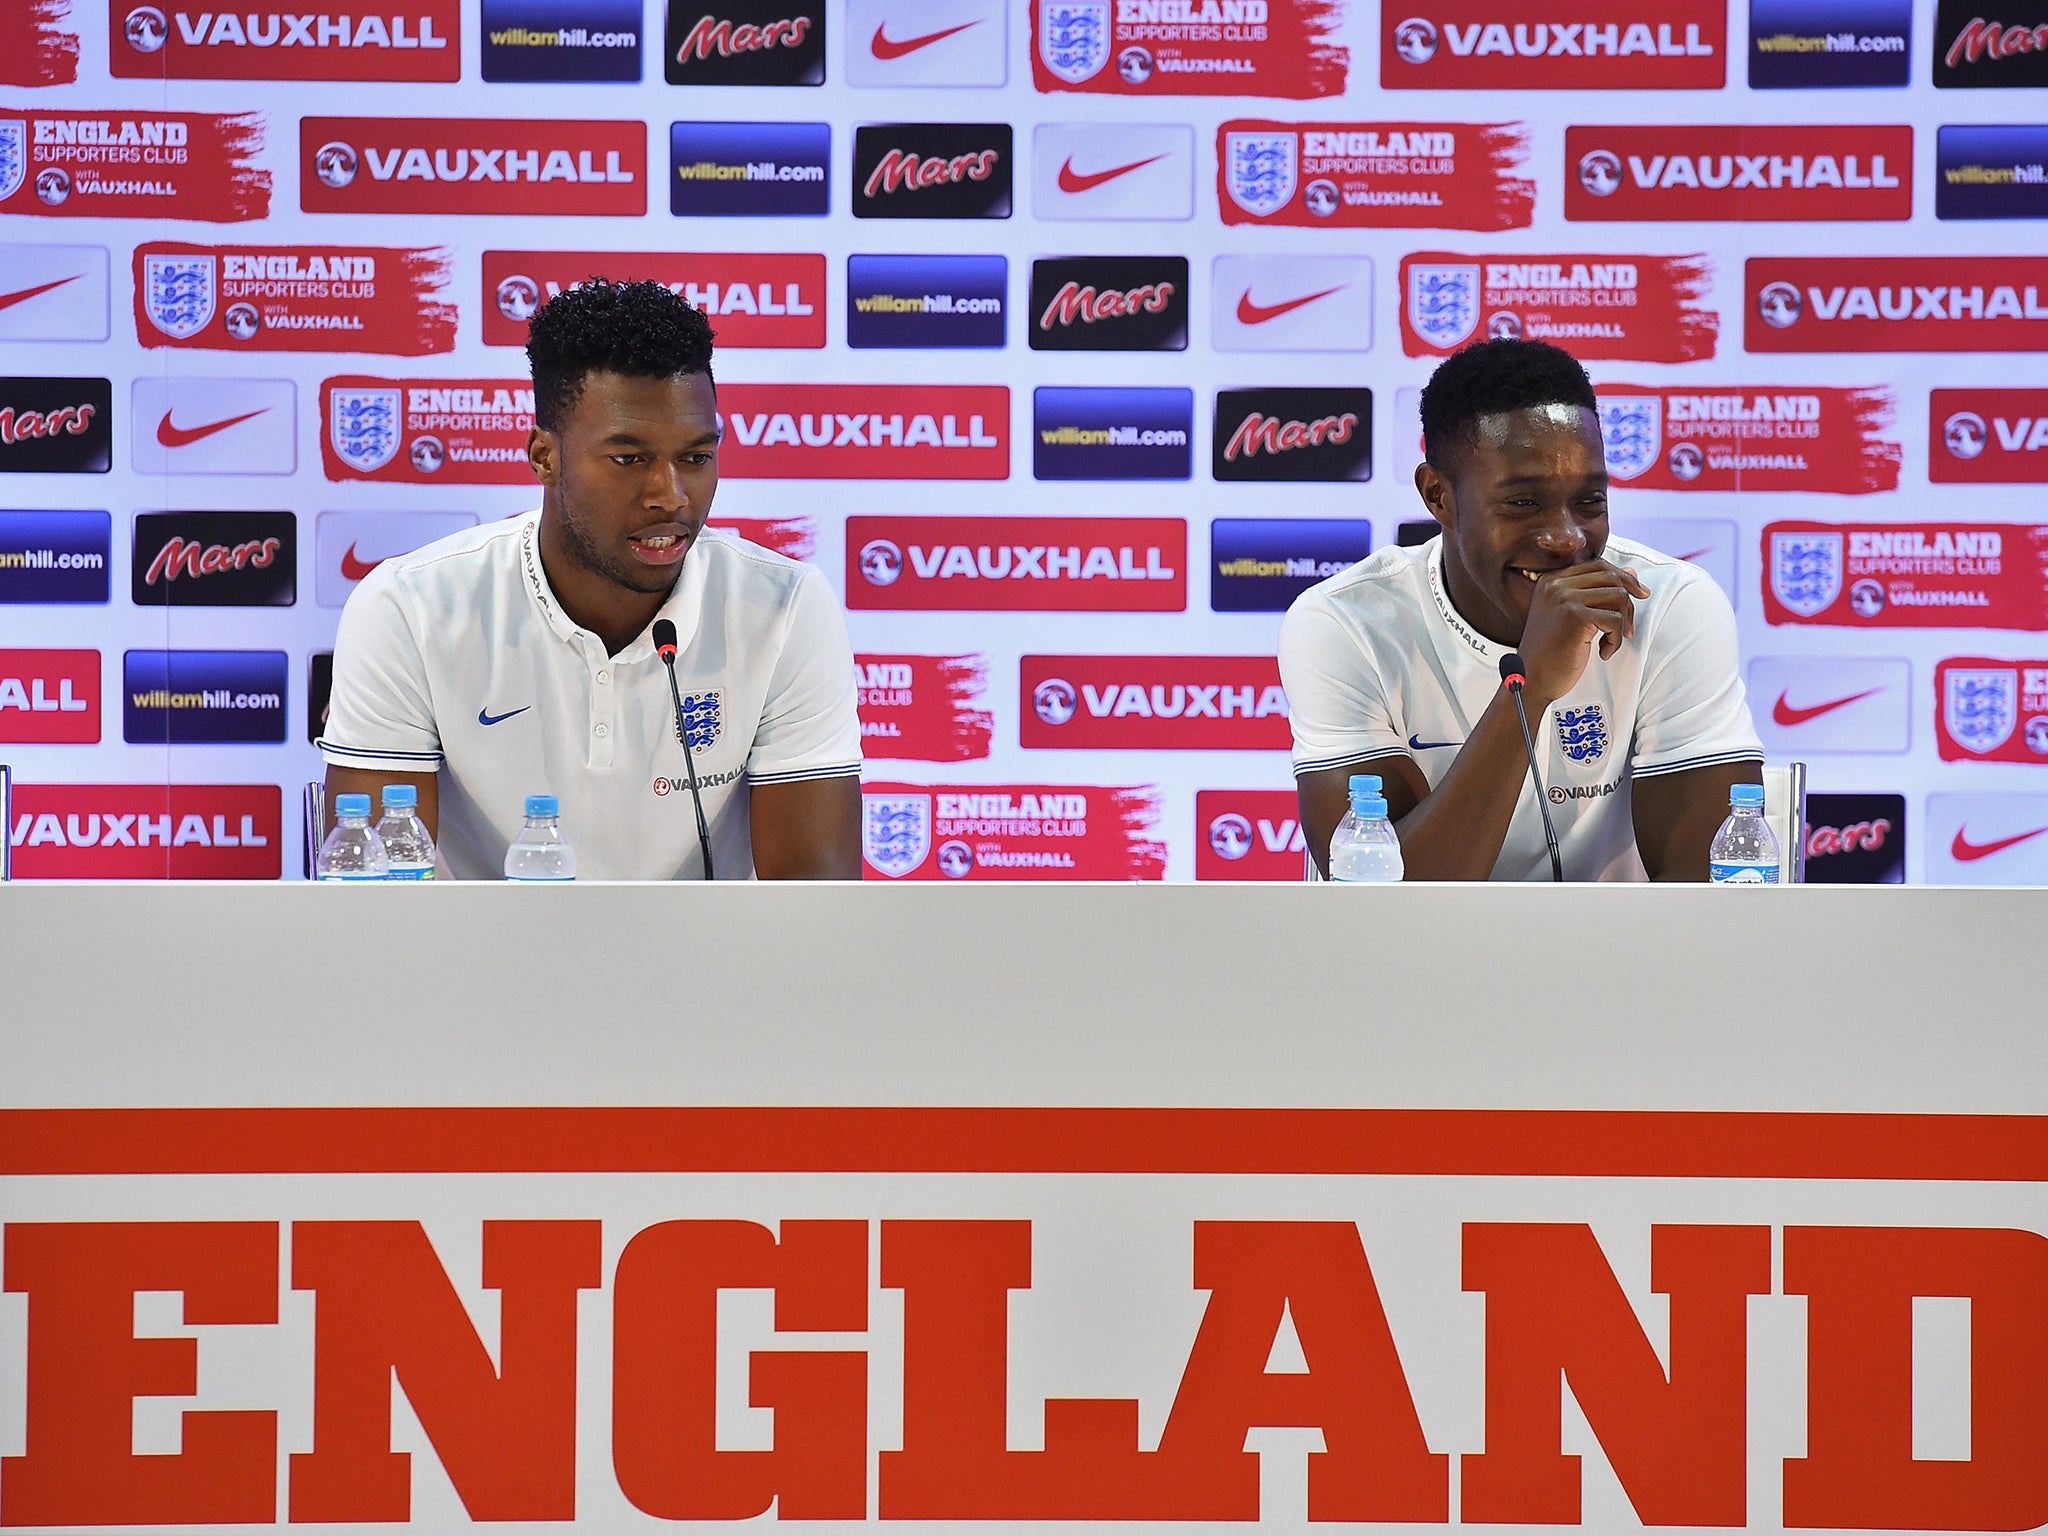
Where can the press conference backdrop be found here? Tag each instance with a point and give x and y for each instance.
(1070, 338)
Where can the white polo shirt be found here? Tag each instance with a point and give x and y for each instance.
(1377, 661)
(457, 657)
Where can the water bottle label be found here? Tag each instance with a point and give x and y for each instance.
(1729, 873)
(540, 879)
(358, 875)
(412, 872)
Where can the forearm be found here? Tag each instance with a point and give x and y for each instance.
(1456, 833)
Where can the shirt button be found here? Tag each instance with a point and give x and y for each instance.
(604, 730)
(604, 677)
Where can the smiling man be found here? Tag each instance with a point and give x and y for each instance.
(1634, 697)
(517, 658)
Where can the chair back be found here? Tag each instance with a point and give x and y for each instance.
(1785, 810)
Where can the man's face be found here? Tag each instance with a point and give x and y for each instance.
(1527, 495)
(631, 473)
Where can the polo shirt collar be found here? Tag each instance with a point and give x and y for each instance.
(1466, 638)
(684, 606)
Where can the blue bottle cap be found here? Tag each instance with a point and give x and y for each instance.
(1370, 806)
(1748, 796)
(1365, 784)
(400, 797)
(352, 805)
(543, 805)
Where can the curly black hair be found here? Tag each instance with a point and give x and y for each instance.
(1489, 377)
(640, 329)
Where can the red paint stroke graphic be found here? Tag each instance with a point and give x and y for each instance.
(426, 431)
(1596, 305)
(922, 708)
(1388, 175)
(1011, 832)
(1750, 437)
(1907, 575)
(795, 537)
(90, 164)
(293, 298)
(35, 48)
(1292, 53)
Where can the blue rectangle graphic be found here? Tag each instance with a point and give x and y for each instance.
(729, 170)
(180, 698)
(544, 40)
(1818, 44)
(1112, 434)
(55, 557)
(1991, 171)
(1261, 564)
(926, 301)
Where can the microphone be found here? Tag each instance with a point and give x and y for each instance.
(665, 645)
(1511, 667)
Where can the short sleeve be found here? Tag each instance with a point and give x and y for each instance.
(1336, 698)
(380, 713)
(1693, 711)
(809, 726)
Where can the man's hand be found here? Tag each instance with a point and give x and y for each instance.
(1569, 609)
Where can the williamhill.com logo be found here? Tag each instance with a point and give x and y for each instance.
(726, 169)
(561, 40)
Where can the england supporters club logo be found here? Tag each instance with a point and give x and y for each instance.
(1259, 170)
(363, 426)
(1443, 303)
(1631, 427)
(1980, 706)
(1806, 570)
(1073, 38)
(178, 293)
(896, 832)
(13, 157)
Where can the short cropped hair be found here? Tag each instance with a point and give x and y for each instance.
(642, 330)
(1490, 377)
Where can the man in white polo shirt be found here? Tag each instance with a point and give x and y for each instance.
(518, 658)
(1634, 696)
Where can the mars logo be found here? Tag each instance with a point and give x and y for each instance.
(1988, 436)
(55, 426)
(1248, 834)
(932, 171)
(1855, 839)
(1168, 703)
(1751, 171)
(1979, 46)
(1017, 564)
(147, 832)
(1292, 435)
(764, 299)
(215, 560)
(472, 165)
(865, 431)
(1896, 304)
(1584, 45)
(50, 697)
(1992, 710)
(745, 42)
(419, 40)
(1109, 304)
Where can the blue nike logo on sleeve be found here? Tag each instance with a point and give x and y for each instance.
(1417, 744)
(485, 717)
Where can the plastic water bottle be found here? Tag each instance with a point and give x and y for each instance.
(540, 852)
(353, 851)
(405, 836)
(1364, 850)
(1745, 850)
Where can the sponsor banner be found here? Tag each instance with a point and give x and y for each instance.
(1987, 436)
(1991, 711)
(1282, 48)
(1803, 44)
(1749, 437)
(750, 170)
(55, 557)
(147, 832)
(185, 698)
(347, 546)
(1262, 564)
(891, 43)
(198, 166)
(444, 165)
(208, 426)
(1735, 171)
(1248, 834)
(1291, 304)
(1805, 704)
(49, 697)
(1855, 839)
(293, 298)
(745, 42)
(51, 426)
(1415, 531)
(1986, 171)
(413, 40)
(865, 431)
(560, 40)
(1596, 306)
(1040, 564)
(754, 299)
(1895, 304)
(1109, 304)
(426, 431)
(54, 292)
(1292, 434)
(1153, 703)
(35, 46)
(319, 691)
(1112, 434)
(1374, 175)
(1556, 45)
(926, 301)
(923, 707)
(1980, 46)
(1948, 575)
(1978, 840)
(1707, 542)
(932, 171)
(214, 560)
(795, 537)
(1113, 171)
(1011, 832)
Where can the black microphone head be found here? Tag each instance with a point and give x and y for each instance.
(665, 638)
(1512, 666)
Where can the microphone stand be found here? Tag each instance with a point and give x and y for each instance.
(1511, 674)
(665, 644)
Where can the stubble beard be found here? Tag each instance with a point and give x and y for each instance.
(585, 551)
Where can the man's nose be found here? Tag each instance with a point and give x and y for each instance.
(1563, 535)
(665, 487)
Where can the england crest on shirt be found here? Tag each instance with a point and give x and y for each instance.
(1806, 570)
(363, 425)
(1582, 732)
(13, 157)
(701, 717)
(1980, 706)
(1073, 37)
(1632, 429)
(896, 831)
(1259, 170)
(177, 293)
(1443, 303)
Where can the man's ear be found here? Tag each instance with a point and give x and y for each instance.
(1436, 494)
(541, 447)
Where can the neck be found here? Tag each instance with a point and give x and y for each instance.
(615, 614)
(1467, 604)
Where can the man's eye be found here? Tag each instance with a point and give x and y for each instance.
(625, 458)
(699, 459)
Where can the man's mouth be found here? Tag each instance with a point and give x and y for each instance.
(661, 545)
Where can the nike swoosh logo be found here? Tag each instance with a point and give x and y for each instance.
(1249, 313)
(884, 47)
(1787, 713)
(1695, 554)
(354, 568)
(1965, 852)
(1417, 744)
(485, 717)
(22, 295)
(184, 437)
(1072, 180)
